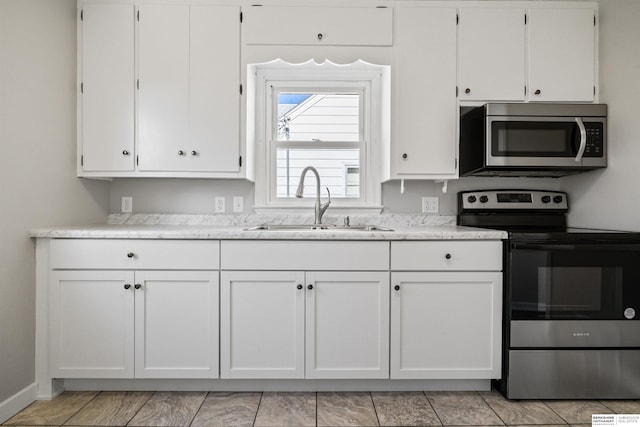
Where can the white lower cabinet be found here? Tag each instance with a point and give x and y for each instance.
(446, 325)
(293, 324)
(125, 324)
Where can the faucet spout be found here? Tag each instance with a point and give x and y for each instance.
(320, 208)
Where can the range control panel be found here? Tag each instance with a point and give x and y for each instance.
(521, 200)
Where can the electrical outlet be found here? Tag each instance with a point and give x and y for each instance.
(127, 204)
(238, 204)
(430, 205)
(219, 205)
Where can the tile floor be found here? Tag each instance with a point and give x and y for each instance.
(309, 409)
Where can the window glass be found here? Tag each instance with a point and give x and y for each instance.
(320, 128)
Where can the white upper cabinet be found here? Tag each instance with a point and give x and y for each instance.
(214, 97)
(163, 87)
(180, 63)
(106, 96)
(189, 98)
(318, 26)
(562, 49)
(491, 43)
(424, 107)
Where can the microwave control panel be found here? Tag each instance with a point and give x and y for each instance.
(594, 145)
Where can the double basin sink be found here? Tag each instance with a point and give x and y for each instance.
(317, 227)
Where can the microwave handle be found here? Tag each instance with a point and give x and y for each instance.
(583, 139)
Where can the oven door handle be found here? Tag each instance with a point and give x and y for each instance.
(595, 246)
(583, 139)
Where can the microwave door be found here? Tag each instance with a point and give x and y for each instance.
(533, 141)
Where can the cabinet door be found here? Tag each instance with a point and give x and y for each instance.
(425, 104)
(446, 325)
(319, 26)
(214, 90)
(347, 325)
(492, 54)
(107, 81)
(91, 326)
(176, 324)
(262, 324)
(561, 54)
(163, 94)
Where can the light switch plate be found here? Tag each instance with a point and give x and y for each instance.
(430, 205)
(219, 205)
(127, 204)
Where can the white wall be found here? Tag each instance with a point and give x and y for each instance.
(37, 164)
(609, 198)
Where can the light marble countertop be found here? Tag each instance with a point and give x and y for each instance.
(227, 227)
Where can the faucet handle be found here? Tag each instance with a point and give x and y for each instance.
(328, 195)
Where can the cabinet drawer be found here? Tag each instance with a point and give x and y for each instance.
(447, 255)
(135, 254)
(303, 255)
(319, 26)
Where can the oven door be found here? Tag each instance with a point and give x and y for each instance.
(585, 281)
(545, 141)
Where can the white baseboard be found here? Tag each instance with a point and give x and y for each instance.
(18, 402)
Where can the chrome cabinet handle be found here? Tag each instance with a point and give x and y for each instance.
(130, 255)
(583, 139)
(137, 286)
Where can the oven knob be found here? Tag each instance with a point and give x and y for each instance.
(557, 199)
(484, 199)
(629, 313)
(546, 199)
(471, 199)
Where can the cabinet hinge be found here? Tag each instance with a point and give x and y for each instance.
(240, 161)
(138, 84)
(240, 17)
(137, 160)
(594, 91)
(525, 90)
(240, 88)
(594, 20)
(455, 163)
(81, 87)
(457, 18)
(138, 15)
(525, 19)
(82, 14)
(82, 160)
(456, 91)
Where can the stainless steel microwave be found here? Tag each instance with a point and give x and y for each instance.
(534, 139)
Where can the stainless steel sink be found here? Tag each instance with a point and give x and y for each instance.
(314, 227)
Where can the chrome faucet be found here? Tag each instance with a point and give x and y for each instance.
(320, 207)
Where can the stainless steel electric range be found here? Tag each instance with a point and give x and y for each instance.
(572, 299)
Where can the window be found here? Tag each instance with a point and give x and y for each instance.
(322, 115)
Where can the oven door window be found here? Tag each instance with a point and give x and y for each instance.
(574, 282)
(534, 139)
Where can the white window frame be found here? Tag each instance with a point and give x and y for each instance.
(264, 80)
